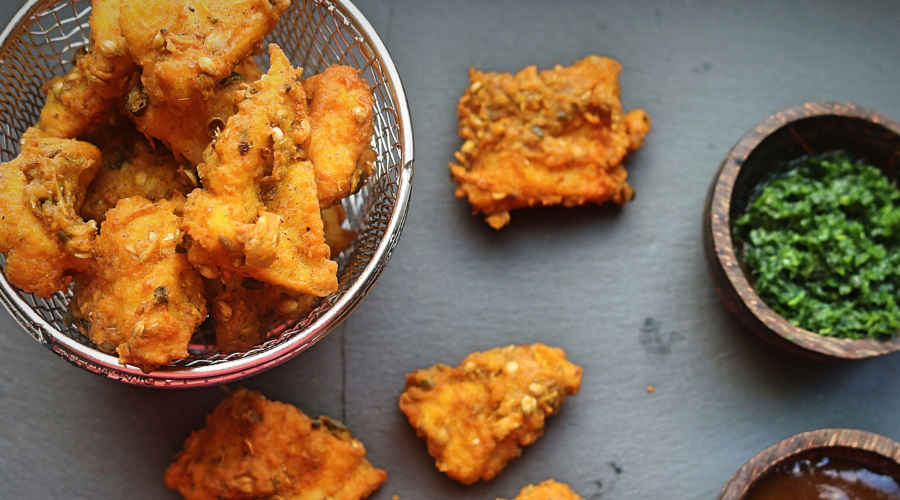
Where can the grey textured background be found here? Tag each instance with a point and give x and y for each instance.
(585, 279)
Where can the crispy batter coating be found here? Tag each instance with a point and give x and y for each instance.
(131, 167)
(186, 48)
(187, 133)
(476, 417)
(337, 238)
(228, 218)
(340, 109)
(78, 102)
(303, 262)
(548, 490)
(253, 448)
(245, 309)
(140, 297)
(38, 261)
(72, 107)
(108, 62)
(59, 172)
(548, 138)
(258, 215)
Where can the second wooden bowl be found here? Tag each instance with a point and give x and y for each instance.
(874, 452)
(806, 130)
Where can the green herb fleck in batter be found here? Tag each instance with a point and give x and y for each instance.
(822, 243)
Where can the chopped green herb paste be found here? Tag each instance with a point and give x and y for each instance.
(822, 243)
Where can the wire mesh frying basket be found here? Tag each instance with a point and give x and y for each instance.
(40, 42)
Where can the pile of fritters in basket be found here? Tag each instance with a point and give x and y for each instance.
(169, 176)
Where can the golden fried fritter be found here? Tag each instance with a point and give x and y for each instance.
(72, 107)
(108, 63)
(186, 48)
(245, 309)
(228, 218)
(78, 102)
(131, 167)
(140, 297)
(242, 315)
(302, 264)
(253, 448)
(476, 417)
(340, 110)
(548, 490)
(337, 238)
(257, 214)
(548, 138)
(187, 133)
(37, 260)
(58, 173)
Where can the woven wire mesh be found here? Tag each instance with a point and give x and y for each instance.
(314, 34)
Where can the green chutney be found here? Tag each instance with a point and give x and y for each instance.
(821, 241)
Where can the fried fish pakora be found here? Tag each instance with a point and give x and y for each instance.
(340, 110)
(228, 218)
(476, 417)
(337, 238)
(189, 133)
(258, 215)
(78, 102)
(108, 63)
(245, 309)
(255, 448)
(131, 167)
(186, 48)
(72, 107)
(548, 490)
(58, 173)
(303, 264)
(38, 260)
(140, 297)
(548, 138)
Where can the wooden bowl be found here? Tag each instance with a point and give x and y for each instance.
(872, 451)
(809, 129)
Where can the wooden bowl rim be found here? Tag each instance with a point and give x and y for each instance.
(794, 446)
(724, 246)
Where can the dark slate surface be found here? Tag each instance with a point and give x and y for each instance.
(624, 291)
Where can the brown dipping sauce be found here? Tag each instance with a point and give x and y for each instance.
(825, 479)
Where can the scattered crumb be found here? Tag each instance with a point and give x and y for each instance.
(649, 389)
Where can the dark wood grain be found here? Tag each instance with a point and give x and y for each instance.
(871, 450)
(809, 129)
